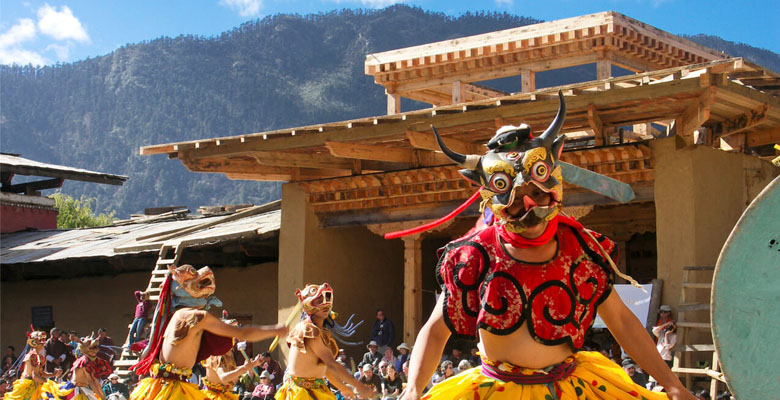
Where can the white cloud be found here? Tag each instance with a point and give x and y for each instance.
(61, 25)
(504, 3)
(23, 31)
(11, 40)
(21, 57)
(245, 8)
(62, 51)
(379, 3)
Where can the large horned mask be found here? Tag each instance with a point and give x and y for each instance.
(518, 168)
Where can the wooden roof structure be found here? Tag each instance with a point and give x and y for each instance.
(390, 163)
(12, 164)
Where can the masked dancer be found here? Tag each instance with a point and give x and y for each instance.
(313, 352)
(184, 333)
(28, 386)
(528, 283)
(88, 371)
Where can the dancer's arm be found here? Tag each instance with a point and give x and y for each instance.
(249, 333)
(335, 372)
(334, 380)
(633, 337)
(427, 352)
(230, 376)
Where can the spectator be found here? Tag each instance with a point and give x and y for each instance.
(474, 358)
(69, 358)
(631, 369)
(55, 351)
(372, 356)
(113, 386)
(405, 371)
(666, 332)
(456, 356)
(8, 361)
(446, 370)
(462, 366)
(272, 367)
(392, 384)
(106, 346)
(703, 394)
(383, 332)
(74, 344)
(10, 351)
(141, 317)
(389, 358)
(345, 360)
(266, 389)
(403, 356)
(664, 317)
(382, 369)
(369, 378)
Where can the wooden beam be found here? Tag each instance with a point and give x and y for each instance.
(412, 288)
(417, 158)
(695, 115)
(458, 92)
(32, 187)
(603, 69)
(474, 92)
(527, 80)
(393, 103)
(763, 137)
(427, 141)
(594, 121)
(740, 123)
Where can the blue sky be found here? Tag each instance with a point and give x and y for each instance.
(46, 32)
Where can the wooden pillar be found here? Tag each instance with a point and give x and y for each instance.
(457, 92)
(528, 82)
(412, 288)
(393, 103)
(603, 69)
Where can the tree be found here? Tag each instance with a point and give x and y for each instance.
(78, 213)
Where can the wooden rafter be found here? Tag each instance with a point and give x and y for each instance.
(427, 141)
(740, 123)
(417, 158)
(695, 115)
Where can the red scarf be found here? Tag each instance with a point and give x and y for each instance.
(521, 242)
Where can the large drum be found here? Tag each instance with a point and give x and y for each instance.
(745, 304)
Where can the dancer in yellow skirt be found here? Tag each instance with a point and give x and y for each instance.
(28, 387)
(313, 352)
(183, 333)
(222, 374)
(88, 370)
(529, 282)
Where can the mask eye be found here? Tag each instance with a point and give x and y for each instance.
(540, 171)
(500, 182)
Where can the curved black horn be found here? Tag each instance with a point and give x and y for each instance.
(452, 155)
(552, 131)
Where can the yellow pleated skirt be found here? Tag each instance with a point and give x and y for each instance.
(595, 377)
(303, 389)
(166, 389)
(67, 390)
(219, 395)
(24, 389)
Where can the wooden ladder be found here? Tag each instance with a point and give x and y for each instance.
(685, 348)
(169, 255)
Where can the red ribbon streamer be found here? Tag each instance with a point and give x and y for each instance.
(430, 225)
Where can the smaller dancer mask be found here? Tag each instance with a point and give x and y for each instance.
(315, 298)
(37, 338)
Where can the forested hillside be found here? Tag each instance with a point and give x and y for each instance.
(281, 71)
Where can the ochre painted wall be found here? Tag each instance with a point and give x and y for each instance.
(86, 304)
(364, 269)
(700, 193)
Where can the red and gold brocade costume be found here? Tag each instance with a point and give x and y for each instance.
(484, 287)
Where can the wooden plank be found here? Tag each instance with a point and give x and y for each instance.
(527, 80)
(458, 92)
(32, 187)
(696, 115)
(427, 141)
(389, 154)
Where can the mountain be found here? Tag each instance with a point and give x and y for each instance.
(281, 71)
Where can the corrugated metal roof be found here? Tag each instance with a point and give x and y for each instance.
(112, 241)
